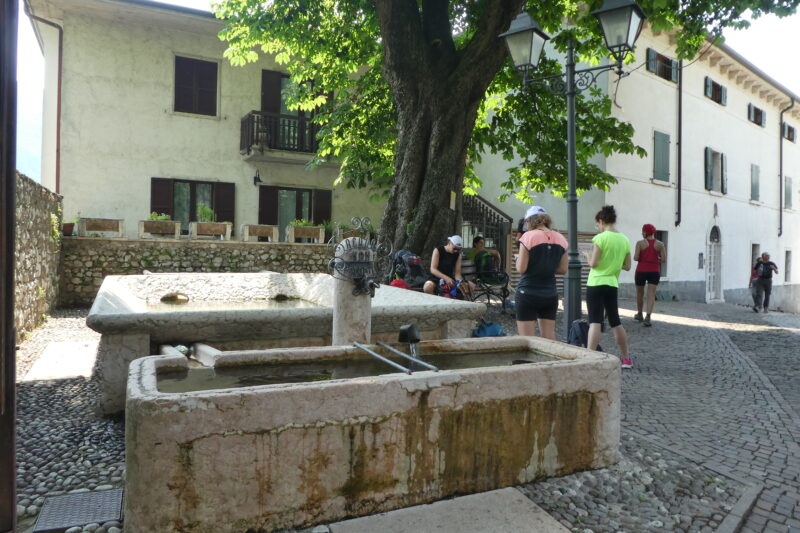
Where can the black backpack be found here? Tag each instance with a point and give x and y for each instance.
(407, 266)
(579, 334)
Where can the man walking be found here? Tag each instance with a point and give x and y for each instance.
(762, 284)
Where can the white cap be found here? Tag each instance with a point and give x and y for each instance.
(456, 240)
(534, 210)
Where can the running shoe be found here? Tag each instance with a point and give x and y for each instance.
(647, 322)
(755, 309)
(626, 362)
(638, 317)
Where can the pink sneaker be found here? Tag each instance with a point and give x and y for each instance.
(626, 362)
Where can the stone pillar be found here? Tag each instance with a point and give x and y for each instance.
(352, 315)
(114, 355)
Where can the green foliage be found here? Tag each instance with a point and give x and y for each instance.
(301, 222)
(55, 226)
(334, 51)
(205, 213)
(162, 216)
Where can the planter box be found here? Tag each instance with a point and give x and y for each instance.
(67, 229)
(210, 229)
(101, 226)
(259, 230)
(316, 233)
(167, 228)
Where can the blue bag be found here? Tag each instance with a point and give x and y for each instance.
(489, 329)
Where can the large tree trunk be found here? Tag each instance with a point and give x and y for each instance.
(438, 90)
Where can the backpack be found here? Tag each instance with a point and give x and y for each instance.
(407, 267)
(579, 334)
(488, 329)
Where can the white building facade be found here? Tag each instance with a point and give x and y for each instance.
(720, 179)
(142, 113)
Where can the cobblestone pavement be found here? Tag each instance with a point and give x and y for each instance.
(713, 398)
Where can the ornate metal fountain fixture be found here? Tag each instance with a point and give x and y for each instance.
(360, 256)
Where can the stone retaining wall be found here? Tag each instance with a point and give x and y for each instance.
(86, 261)
(37, 244)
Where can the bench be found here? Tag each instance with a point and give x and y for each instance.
(486, 287)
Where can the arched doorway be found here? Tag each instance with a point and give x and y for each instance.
(714, 266)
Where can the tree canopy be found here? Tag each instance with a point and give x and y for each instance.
(410, 94)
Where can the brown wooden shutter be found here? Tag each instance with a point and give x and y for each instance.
(161, 196)
(206, 87)
(271, 91)
(321, 205)
(268, 205)
(225, 202)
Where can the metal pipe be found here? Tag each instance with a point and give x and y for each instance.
(780, 168)
(572, 296)
(382, 358)
(8, 125)
(406, 356)
(58, 88)
(679, 150)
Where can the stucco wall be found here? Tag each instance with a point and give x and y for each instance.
(36, 254)
(650, 103)
(86, 261)
(119, 130)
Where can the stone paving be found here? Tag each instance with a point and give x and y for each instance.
(720, 384)
(713, 398)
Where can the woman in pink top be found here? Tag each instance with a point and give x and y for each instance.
(649, 253)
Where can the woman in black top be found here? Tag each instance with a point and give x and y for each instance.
(445, 265)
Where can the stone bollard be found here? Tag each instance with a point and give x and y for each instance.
(353, 289)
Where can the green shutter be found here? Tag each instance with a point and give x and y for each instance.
(763, 118)
(751, 114)
(723, 161)
(708, 87)
(709, 169)
(787, 194)
(675, 71)
(724, 100)
(755, 172)
(651, 60)
(660, 156)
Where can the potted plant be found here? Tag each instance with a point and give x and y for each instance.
(207, 224)
(304, 229)
(68, 228)
(159, 224)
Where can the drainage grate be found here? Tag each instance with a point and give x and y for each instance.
(63, 512)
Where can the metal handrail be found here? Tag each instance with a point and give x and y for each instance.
(382, 358)
(406, 356)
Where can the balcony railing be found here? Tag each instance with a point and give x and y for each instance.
(261, 130)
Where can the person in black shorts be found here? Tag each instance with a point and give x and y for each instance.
(542, 255)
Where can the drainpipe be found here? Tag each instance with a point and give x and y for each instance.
(780, 168)
(679, 149)
(58, 91)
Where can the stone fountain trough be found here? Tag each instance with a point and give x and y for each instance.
(355, 442)
(239, 310)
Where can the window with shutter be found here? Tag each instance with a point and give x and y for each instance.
(723, 185)
(787, 194)
(789, 133)
(709, 169)
(195, 86)
(716, 172)
(180, 198)
(321, 205)
(662, 66)
(755, 172)
(660, 156)
(756, 115)
(715, 91)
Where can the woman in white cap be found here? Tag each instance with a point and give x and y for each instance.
(445, 265)
(542, 255)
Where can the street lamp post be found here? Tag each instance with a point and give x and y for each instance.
(621, 22)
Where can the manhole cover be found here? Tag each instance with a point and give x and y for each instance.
(63, 512)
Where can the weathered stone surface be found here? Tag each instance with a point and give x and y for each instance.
(38, 228)
(296, 454)
(234, 309)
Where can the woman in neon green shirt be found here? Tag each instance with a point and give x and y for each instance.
(611, 252)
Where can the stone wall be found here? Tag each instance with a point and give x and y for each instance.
(86, 261)
(37, 243)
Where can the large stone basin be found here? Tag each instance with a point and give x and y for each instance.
(291, 455)
(236, 310)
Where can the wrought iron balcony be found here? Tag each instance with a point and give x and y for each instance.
(272, 131)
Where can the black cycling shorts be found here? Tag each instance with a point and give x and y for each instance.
(650, 277)
(530, 307)
(601, 298)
